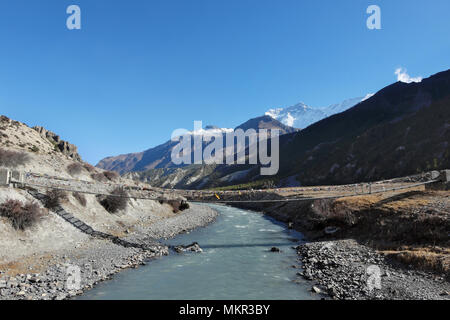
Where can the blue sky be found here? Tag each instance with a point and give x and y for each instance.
(139, 69)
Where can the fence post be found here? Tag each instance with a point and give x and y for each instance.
(5, 177)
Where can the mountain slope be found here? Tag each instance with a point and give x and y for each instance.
(403, 129)
(160, 157)
(396, 132)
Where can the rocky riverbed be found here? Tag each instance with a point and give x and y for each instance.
(345, 269)
(71, 272)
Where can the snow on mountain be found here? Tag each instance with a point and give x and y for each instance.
(302, 115)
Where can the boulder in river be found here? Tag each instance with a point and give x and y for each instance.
(193, 247)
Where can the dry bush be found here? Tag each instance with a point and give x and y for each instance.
(9, 158)
(54, 198)
(22, 216)
(111, 175)
(80, 198)
(100, 177)
(184, 205)
(105, 176)
(74, 168)
(90, 168)
(116, 201)
(177, 205)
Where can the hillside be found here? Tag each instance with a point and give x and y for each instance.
(46, 160)
(401, 130)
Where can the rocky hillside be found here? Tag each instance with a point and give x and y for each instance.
(17, 135)
(401, 130)
(55, 163)
(160, 156)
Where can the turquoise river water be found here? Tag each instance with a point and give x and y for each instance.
(236, 264)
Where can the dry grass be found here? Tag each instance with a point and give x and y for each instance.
(34, 264)
(432, 259)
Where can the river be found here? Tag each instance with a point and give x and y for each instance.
(236, 264)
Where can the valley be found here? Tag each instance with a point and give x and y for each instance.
(368, 187)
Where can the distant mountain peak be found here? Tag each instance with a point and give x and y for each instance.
(301, 115)
(266, 122)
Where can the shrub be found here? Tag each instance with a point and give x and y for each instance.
(116, 201)
(54, 198)
(100, 177)
(34, 149)
(80, 198)
(9, 158)
(105, 176)
(74, 168)
(178, 205)
(90, 168)
(21, 215)
(111, 175)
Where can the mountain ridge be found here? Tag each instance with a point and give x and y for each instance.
(301, 115)
(403, 129)
(160, 156)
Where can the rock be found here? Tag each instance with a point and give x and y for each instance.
(194, 247)
(315, 289)
(275, 249)
(60, 145)
(34, 279)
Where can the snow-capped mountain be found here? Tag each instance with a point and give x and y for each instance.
(302, 115)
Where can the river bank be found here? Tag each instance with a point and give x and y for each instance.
(94, 260)
(345, 269)
(403, 235)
